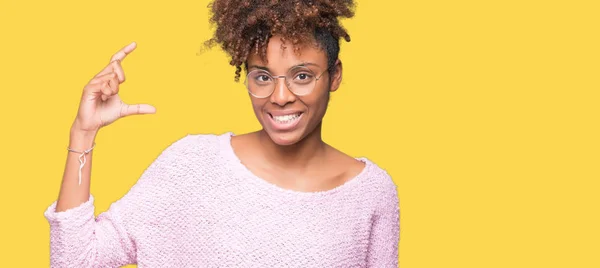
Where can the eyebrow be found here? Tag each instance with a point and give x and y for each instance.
(267, 68)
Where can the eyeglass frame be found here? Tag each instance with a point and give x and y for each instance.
(285, 80)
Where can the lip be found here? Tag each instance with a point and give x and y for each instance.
(284, 127)
(283, 112)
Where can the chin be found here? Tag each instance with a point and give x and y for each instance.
(284, 138)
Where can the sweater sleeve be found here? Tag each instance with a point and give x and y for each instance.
(78, 239)
(385, 233)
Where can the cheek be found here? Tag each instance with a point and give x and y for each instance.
(258, 108)
(318, 106)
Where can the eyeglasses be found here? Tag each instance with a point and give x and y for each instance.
(300, 80)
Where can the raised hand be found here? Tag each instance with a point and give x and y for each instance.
(100, 103)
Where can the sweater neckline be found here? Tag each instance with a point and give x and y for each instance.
(237, 166)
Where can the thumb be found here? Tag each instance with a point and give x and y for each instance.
(133, 109)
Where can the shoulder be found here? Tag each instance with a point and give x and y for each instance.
(188, 154)
(377, 178)
(190, 150)
(380, 175)
(195, 142)
(382, 184)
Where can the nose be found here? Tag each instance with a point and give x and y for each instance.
(282, 94)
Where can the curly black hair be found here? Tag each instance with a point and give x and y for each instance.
(245, 26)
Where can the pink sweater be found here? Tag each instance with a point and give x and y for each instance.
(197, 205)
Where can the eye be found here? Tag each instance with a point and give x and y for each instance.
(263, 78)
(303, 76)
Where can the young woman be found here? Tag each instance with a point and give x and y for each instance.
(277, 197)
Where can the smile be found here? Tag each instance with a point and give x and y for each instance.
(285, 122)
(284, 119)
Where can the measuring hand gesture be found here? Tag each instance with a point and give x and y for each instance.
(100, 102)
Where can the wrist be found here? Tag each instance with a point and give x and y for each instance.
(76, 129)
(81, 140)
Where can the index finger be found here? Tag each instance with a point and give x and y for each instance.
(120, 55)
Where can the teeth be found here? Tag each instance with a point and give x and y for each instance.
(286, 118)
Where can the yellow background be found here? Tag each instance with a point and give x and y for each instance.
(485, 113)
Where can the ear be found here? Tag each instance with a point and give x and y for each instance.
(336, 77)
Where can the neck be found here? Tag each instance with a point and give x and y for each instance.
(299, 155)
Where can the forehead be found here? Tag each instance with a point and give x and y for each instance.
(282, 55)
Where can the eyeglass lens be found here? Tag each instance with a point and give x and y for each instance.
(299, 80)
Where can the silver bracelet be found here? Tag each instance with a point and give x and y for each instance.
(81, 163)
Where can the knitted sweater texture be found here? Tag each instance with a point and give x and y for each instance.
(197, 205)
